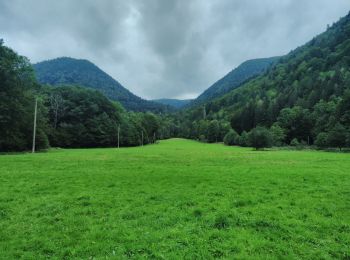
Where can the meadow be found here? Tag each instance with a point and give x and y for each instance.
(176, 199)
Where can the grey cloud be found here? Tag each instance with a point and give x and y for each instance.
(159, 48)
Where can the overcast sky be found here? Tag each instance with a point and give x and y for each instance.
(164, 48)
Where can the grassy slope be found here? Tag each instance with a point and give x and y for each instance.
(176, 199)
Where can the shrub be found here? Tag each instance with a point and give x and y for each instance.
(260, 137)
(322, 140)
(337, 136)
(278, 135)
(231, 138)
(295, 142)
(243, 140)
(202, 138)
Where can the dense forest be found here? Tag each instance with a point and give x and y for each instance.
(175, 103)
(235, 78)
(303, 99)
(68, 116)
(299, 99)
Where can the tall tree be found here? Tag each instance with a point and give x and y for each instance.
(337, 136)
(18, 89)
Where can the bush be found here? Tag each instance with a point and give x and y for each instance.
(295, 142)
(278, 135)
(202, 138)
(260, 137)
(322, 140)
(243, 140)
(337, 136)
(231, 138)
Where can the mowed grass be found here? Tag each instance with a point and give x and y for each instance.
(176, 199)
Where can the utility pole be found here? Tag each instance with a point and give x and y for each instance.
(34, 128)
(118, 135)
(141, 138)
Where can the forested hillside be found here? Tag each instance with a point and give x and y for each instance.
(17, 90)
(71, 71)
(247, 70)
(304, 98)
(176, 103)
(68, 116)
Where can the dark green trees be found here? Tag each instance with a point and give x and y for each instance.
(304, 94)
(18, 90)
(260, 137)
(322, 140)
(278, 135)
(337, 136)
(69, 71)
(151, 125)
(231, 138)
(297, 123)
(82, 118)
(213, 133)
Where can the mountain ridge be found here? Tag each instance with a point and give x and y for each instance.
(235, 78)
(304, 98)
(173, 102)
(72, 71)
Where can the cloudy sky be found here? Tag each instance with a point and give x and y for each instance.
(164, 48)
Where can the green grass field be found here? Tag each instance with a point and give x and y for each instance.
(176, 199)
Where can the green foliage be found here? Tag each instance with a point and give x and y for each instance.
(295, 142)
(337, 136)
(85, 118)
(18, 90)
(297, 122)
(175, 103)
(179, 199)
(235, 78)
(305, 93)
(260, 137)
(213, 133)
(231, 138)
(68, 116)
(244, 140)
(151, 125)
(322, 140)
(69, 71)
(277, 134)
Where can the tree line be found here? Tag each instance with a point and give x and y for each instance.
(68, 116)
(303, 100)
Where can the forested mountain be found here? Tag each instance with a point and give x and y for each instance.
(235, 78)
(71, 71)
(67, 116)
(304, 98)
(176, 103)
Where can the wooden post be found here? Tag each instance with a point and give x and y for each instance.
(118, 136)
(141, 138)
(34, 127)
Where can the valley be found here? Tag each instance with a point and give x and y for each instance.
(175, 199)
